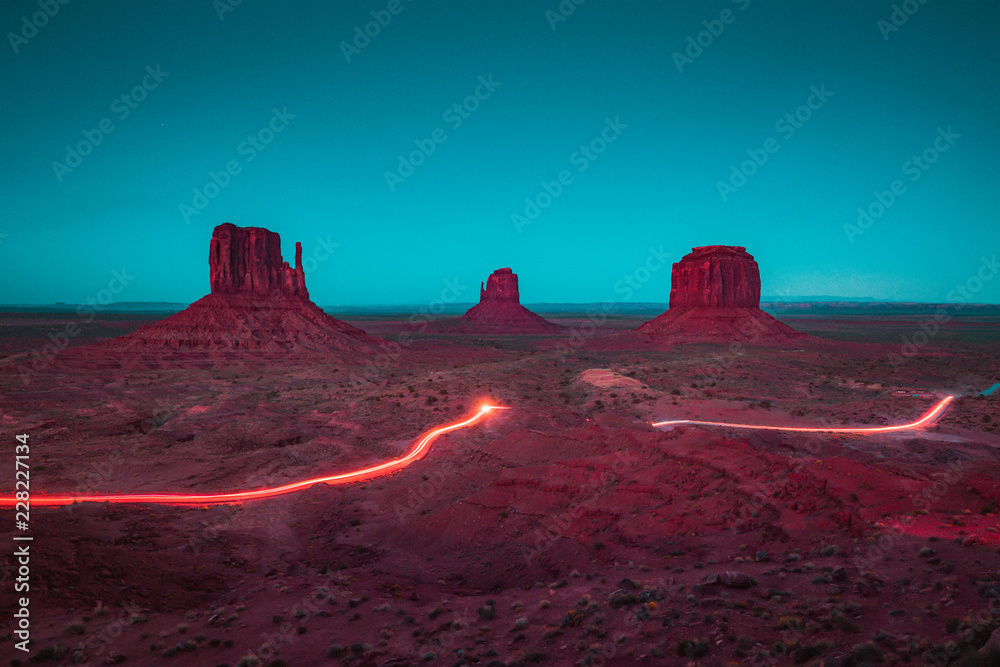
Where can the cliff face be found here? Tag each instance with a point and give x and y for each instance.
(247, 260)
(500, 286)
(715, 296)
(716, 276)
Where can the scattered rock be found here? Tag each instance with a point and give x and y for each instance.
(621, 598)
(737, 580)
(652, 595)
(992, 645)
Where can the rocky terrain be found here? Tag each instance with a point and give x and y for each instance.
(563, 531)
(566, 530)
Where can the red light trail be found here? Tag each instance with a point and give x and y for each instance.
(931, 415)
(419, 449)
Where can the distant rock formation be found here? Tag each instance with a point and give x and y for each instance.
(500, 286)
(715, 294)
(716, 276)
(500, 308)
(247, 260)
(499, 311)
(257, 302)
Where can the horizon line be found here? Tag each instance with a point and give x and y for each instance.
(764, 300)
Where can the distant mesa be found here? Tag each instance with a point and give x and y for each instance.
(715, 295)
(257, 302)
(499, 311)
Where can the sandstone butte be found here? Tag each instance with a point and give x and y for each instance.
(500, 311)
(715, 295)
(257, 302)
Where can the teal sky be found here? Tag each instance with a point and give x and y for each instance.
(608, 67)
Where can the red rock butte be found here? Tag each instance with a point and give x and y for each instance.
(257, 302)
(247, 260)
(715, 295)
(500, 311)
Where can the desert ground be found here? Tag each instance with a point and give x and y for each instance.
(565, 530)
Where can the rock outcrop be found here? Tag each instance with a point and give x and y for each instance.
(500, 286)
(499, 311)
(247, 260)
(716, 276)
(715, 295)
(257, 302)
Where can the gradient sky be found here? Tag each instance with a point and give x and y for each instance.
(323, 176)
